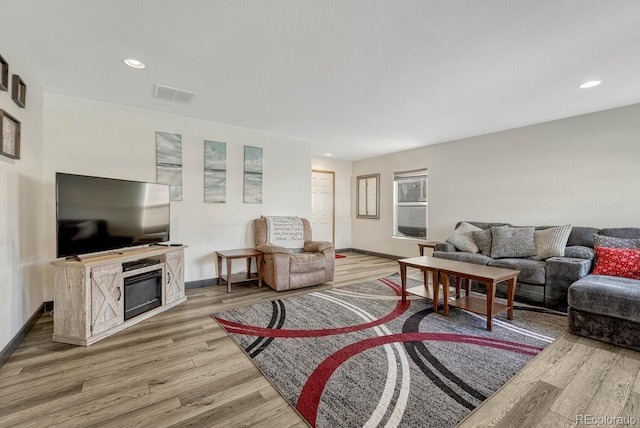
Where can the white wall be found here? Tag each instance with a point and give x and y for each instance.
(21, 257)
(342, 171)
(581, 171)
(94, 138)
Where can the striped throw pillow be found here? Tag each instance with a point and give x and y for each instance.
(551, 242)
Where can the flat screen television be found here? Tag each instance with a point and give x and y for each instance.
(96, 214)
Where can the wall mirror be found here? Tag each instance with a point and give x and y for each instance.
(368, 196)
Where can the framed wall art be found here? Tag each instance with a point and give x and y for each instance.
(169, 162)
(19, 91)
(4, 74)
(215, 171)
(10, 132)
(252, 175)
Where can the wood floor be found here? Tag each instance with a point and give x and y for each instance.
(180, 369)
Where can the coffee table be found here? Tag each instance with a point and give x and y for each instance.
(445, 268)
(488, 275)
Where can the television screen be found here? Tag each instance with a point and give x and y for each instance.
(97, 214)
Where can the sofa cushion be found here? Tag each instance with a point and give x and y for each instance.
(624, 262)
(607, 295)
(551, 242)
(582, 236)
(475, 258)
(512, 242)
(531, 271)
(462, 238)
(306, 262)
(612, 242)
(579, 252)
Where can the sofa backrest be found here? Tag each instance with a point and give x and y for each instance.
(582, 236)
(622, 232)
(483, 225)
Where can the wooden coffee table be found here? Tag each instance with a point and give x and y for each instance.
(444, 268)
(488, 275)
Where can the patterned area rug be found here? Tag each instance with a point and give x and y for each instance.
(358, 356)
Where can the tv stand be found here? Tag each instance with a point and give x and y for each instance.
(89, 294)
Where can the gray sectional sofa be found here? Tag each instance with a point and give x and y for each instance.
(542, 282)
(607, 308)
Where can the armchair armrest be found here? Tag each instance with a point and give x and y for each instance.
(272, 249)
(317, 246)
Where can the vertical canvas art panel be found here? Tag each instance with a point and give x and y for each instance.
(252, 175)
(215, 172)
(169, 162)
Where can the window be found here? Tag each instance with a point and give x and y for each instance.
(410, 204)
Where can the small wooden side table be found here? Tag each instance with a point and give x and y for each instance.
(243, 253)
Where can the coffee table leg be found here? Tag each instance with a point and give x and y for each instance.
(403, 276)
(511, 294)
(436, 290)
(491, 294)
(445, 294)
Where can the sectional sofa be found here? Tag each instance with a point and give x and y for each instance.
(544, 277)
(593, 273)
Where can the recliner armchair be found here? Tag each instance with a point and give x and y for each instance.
(284, 268)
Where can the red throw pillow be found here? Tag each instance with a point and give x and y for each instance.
(618, 262)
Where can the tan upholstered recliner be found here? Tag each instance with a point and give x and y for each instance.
(290, 268)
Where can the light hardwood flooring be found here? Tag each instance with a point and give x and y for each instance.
(180, 369)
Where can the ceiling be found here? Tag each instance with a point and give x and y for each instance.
(359, 78)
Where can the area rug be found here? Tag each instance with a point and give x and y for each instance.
(358, 356)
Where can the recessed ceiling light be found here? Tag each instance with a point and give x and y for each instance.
(328, 154)
(134, 63)
(590, 84)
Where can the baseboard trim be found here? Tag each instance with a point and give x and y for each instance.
(200, 283)
(24, 331)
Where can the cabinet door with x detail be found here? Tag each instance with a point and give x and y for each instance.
(107, 297)
(174, 283)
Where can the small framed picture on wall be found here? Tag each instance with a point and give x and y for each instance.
(19, 91)
(4, 74)
(10, 132)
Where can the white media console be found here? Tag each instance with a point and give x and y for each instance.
(89, 295)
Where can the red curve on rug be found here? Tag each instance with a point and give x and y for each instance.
(250, 330)
(309, 399)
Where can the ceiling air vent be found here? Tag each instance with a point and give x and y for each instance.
(172, 94)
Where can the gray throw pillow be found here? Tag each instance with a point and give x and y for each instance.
(462, 238)
(551, 242)
(611, 242)
(512, 242)
(483, 240)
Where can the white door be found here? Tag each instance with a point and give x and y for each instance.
(322, 205)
